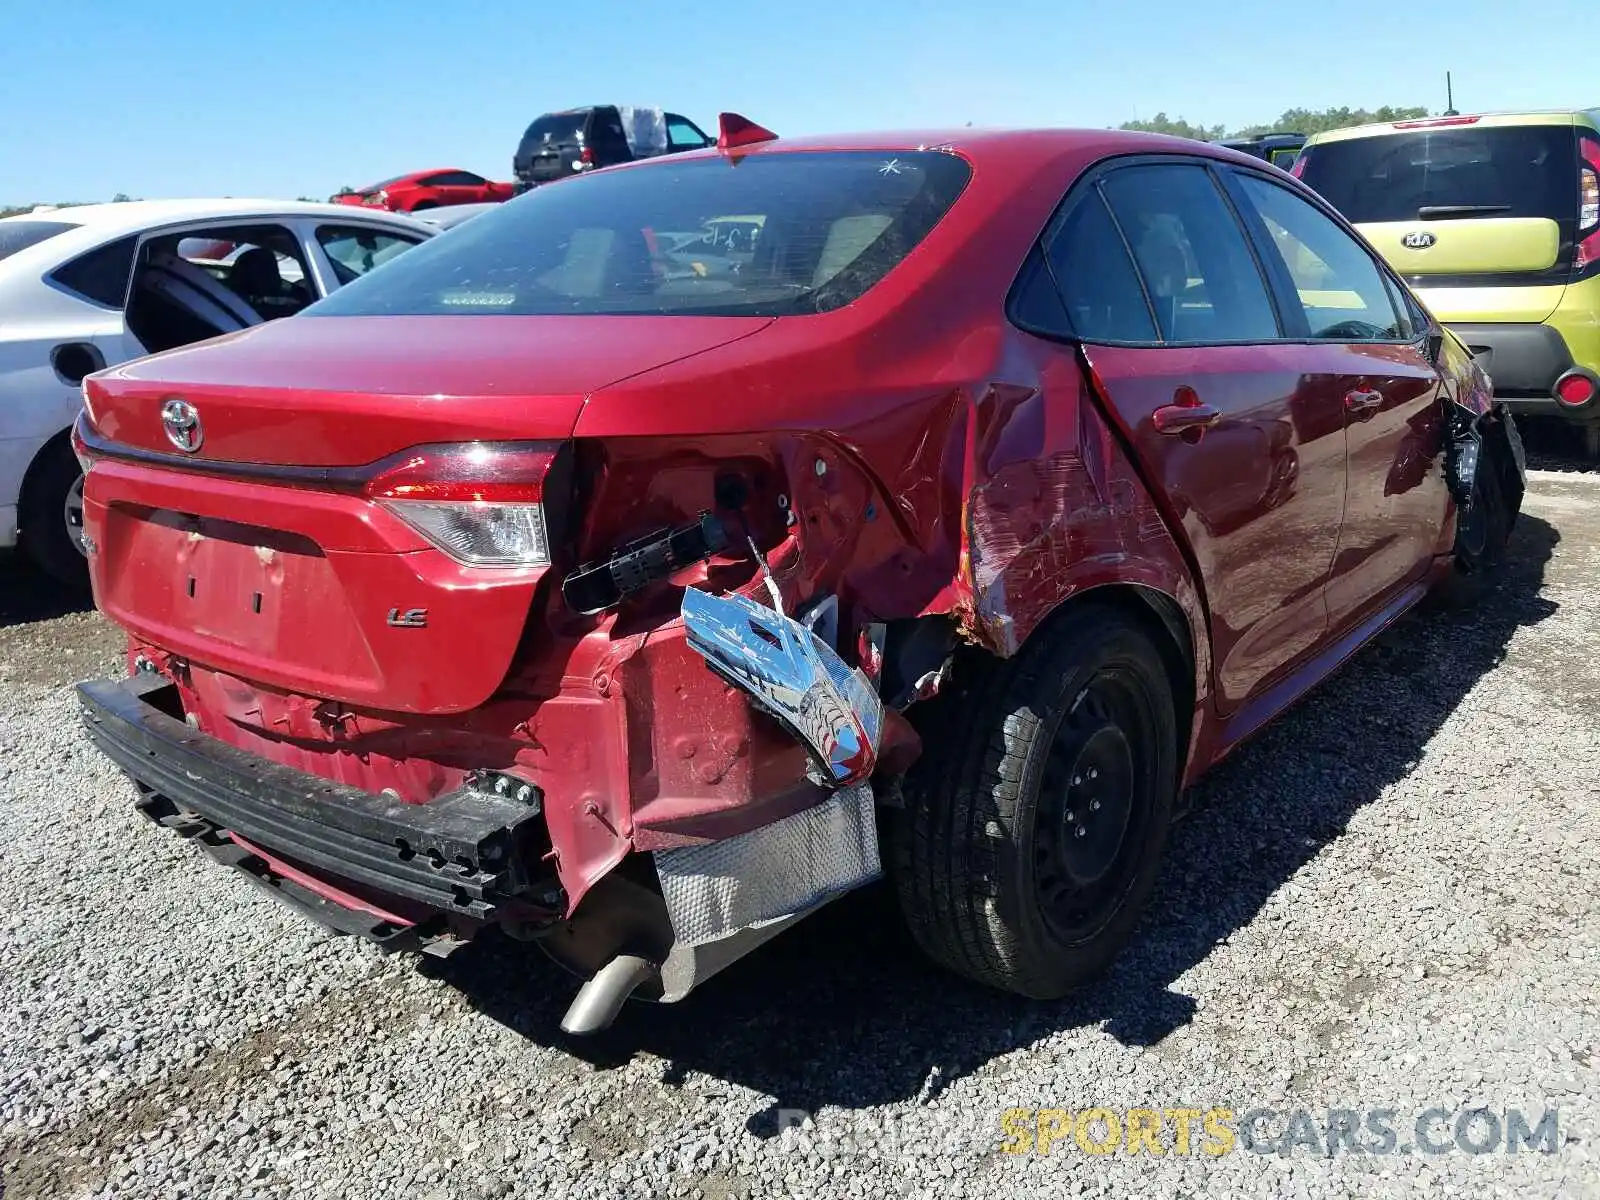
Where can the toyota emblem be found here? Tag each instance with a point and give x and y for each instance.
(182, 423)
(1418, 239)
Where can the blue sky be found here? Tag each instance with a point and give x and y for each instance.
(270, 99)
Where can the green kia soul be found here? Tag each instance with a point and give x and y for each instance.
(1495, 221)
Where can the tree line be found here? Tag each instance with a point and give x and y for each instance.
(1294, 120)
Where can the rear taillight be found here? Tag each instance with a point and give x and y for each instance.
(1588, 251)
(1575, 390)
(1299, 167)
(482, 503)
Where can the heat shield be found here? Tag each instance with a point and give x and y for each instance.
(774, 872)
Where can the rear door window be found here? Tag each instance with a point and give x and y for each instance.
(1340, 289)
(1097, 280)
(453, 179)
(1197, 267)
(557, 127)
(1465, 171)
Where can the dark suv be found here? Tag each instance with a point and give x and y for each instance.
(1279, 149)
(600, 135)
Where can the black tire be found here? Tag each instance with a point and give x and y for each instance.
(42, 518)
(984, 870)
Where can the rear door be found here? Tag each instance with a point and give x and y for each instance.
(1481, 216)
(1336, 296)
(1243, 443)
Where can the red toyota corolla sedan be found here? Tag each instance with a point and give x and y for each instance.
(638, 590)
(422, 190)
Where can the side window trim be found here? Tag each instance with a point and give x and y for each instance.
(1256, 228)
(1089, 182)
(1099, 191)
(1285, 297)
(1231, 202)
(1086, 190)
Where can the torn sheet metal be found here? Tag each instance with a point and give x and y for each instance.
(772, 872)
(833, 710)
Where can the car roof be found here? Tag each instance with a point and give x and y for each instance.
(1036, 144)
(130, 216)
(435, 171)
(1483, 120)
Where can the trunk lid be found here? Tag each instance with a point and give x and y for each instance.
(344, 391)
(261, 554)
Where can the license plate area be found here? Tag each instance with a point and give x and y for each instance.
(242, 586)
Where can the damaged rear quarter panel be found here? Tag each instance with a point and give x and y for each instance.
(1055, 509)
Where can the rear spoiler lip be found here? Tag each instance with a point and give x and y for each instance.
(339, 479)
(347, 480)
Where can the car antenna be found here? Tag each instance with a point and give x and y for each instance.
(1449, 98)
(734, 131)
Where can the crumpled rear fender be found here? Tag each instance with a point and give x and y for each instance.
(1054, 509)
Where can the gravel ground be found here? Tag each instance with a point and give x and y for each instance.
(1389, 901)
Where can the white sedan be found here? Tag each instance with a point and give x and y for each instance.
(87, 287)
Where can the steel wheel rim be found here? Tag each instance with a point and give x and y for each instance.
(1093, 809)
(72, 514)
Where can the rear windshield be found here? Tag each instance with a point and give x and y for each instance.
(1510, 171)
(769, 235)
(558, 127)
(18, 235)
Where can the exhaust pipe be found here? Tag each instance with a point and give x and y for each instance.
(599, 1001)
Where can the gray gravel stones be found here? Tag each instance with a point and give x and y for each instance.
(1390, 901)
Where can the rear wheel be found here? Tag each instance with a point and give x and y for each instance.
(51, 517)
(1034, 825)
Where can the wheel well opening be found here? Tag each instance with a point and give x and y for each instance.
(927, 641)
(1164, 620)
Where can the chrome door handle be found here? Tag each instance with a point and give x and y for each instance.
(1362, 404)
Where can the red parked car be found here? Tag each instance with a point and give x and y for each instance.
(422, 190)
(557, 578)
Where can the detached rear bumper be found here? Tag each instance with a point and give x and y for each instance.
(462, 856)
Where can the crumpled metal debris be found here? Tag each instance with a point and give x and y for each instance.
(791, 673)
